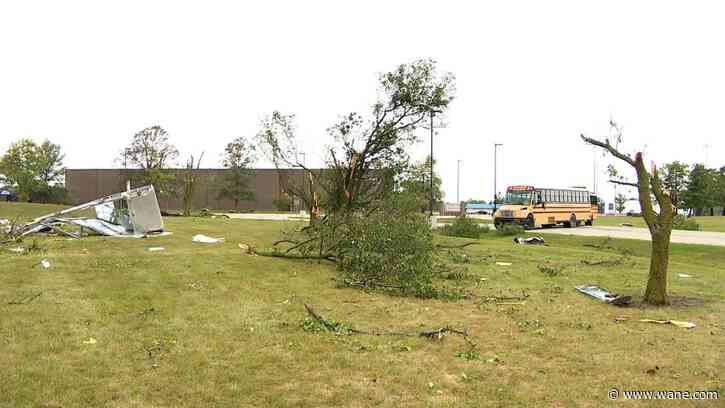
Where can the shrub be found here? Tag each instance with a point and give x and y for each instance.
(464, 227)
(49, 195)
(681, 222)
(389, 249)
(510, 229)
(282, 204)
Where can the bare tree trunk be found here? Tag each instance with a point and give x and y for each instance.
(656, 292)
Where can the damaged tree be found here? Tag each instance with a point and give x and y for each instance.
(659, 223)
(188, 183)
(357, 187)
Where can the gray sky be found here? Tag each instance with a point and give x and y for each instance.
(530, 74)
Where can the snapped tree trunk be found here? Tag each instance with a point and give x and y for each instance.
(656, 292)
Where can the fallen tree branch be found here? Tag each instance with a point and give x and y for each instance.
(277, 254)
(361, 284)
(435, 334)
(499, 300)
(26, 299)
(441, 246)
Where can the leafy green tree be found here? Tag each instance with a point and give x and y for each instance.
(416, 181)
(619, 202)
(721, 189)
(701, 190)
(366, 153)
(33, 169)
(674, 177)
(239, 156)
(151, 151)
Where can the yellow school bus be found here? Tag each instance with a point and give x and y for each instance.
(533, 207)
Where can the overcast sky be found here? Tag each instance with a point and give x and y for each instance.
(530, 74)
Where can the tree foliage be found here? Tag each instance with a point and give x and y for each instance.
(702, 190)
(365, 154)
(35, 170)
(415, 179)
(675, 177)
(151, 150)
(374, 242)
(620, 201)
(239, 156)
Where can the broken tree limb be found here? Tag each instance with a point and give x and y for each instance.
(26, 299)
(278, 254)
(442, 246)
(435, 334)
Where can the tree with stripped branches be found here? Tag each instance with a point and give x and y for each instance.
(659, 221)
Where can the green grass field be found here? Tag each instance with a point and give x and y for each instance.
(714, 223)
(112, 324)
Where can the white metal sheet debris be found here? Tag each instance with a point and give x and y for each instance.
(206, 240)
(604, 295)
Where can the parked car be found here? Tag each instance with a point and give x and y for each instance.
(8, 195)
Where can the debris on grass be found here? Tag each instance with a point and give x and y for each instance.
(504, 263)
(605, 244)
(684, 275)
(316, 323)
(512, 300)
(605, 262)
(156, 249)
(16, 249)
(530, 241)
(678, 323)
(45, 264)
(604, 295)
(131, 213)
(205, 239)
(247, 249)
(626, 224)
(550, 269)
(90, 340)
(26, 299)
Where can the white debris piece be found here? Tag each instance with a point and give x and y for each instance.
(206, 240)
(156, 249)
(45, 263)
(503, 263)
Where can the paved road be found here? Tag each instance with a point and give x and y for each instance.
(682, 237)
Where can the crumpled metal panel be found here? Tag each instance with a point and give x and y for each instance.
(142, 216)
(143, 210)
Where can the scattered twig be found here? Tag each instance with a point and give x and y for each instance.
(26, 299)
(436, 334)
(605, 262)
(500, 300)
(441, 246)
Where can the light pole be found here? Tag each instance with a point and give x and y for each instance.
(430, 209)
(495, 150)
(458, 182)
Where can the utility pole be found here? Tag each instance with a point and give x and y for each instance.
(458, 183)
(495, 150)
(594, 181)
